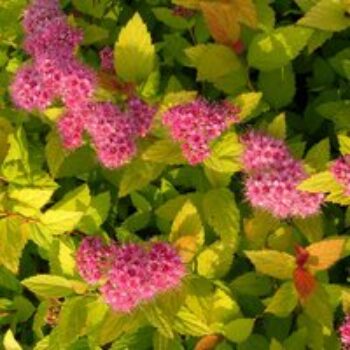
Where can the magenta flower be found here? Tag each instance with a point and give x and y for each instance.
(197, 123)
(94, 258)
(39, 14)
(29, 91)
(107, 59)
(112, 133)
(138, 275)
(344, 331)
(273, 178)
(142, 115)
(341, 172)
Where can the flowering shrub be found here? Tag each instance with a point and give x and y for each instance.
(174, 174)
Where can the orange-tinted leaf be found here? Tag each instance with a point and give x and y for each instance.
(187, 247)
(209, 342)
(222, 21)
(246, 12)
(325, 253)
(304, 282)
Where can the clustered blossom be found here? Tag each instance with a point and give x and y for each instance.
(106, 58)
(56, 74)
(133, 274)
(341, 172)
(94, 259)
(344, 331)
(273, 177)
(197, 123)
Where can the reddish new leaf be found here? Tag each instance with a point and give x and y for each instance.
(304, 282)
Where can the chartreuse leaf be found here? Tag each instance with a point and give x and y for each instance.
(297, 340)
(326, 15)
(215, 260)
(239, 330)
(90, 7)
(320, 182)
(225, 154)
(312, 227)
(325, 253)
(187, 232)
(164, 151)
(277, 48)
(277, 128)
(248, 102)
(57, 222)
(166, 16)
(10, 343)
(137, 175)
(252, 283)
(141, 339)
(222, 214)
(134, 53)
(266, 15)
(5, 130)
(273, 263)
(62, 260)
(317, 306)
(13, 238)
(318, 155)
(284, 301)
(284, 78)
(275, 345)
(344, 144)
(49, 286)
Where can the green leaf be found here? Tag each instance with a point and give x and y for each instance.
(10, 342)
(134, 53)
(277, 48)
(187, 232)
(93, 33)
(164, 151)
(137, 175)
(273, 263)
(337, 111)
(311, 227)
(318, 155)
(72, 320)
(49, 286)
(222, 214)
(297, 340)
(13, 238)
(139, 340)
(284, 301)
(341, 63)
(215, 260)
(252, 284)
(326, 15)
(239, 330)
(66, 164)
(91, 7)
(318, 307)
(225, 154)
(162, 343)
(284, 79)
(166, 16)
(277, 128)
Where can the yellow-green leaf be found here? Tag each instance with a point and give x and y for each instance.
(164, 151)
(273, 263)
(239, 330)
(9, 342)
(320, 182)
(134, 53)
(278, 127)
(344, 144)
(248, 103)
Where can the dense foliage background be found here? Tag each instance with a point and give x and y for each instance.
(286, 64)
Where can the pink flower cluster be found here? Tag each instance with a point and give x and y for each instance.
(341, 172)
(197, 123)
(132, 273)
(56, 73)
(273, 177)
(344, 331)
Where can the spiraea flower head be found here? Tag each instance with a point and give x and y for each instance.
(71, 127)
(94, 259)
(138, 275)
(344, 331)
(273, 178)
(197, 123)
(112, 133)
(341, 172)
(29, 91)
(107, 58)
(39, 13)
(142, 115)
(55, 40)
